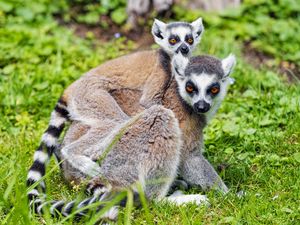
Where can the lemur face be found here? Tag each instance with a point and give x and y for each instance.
(178, 36)
(202, 81)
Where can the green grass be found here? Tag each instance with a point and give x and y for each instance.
(256, 131)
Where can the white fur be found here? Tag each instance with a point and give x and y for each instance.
(102, 190)
(54, 206)
(66, 207)
(34, 192)
(159, 27)
(49, 140)
(202, 81)
(111, 214)
(81, 204)
(198, 26)
(179, 64)
(228, 64)
(180, 31)
(41, 156)
(39, 208)
(42, 184)
(56, 120)
(61, 105)
(180, 199)
(34, 175)
(85, 165)
(218, 99)
(93, 199)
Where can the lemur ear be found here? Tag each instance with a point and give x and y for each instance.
(227, 64)
(158, 29)
(198, 28)
(179, 64)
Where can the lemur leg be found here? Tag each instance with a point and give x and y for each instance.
(148, 153)
(196, 170)
(100, 117)
(82, 154)
(93, 105)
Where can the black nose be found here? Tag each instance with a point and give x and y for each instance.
(201, 106)
(184, 49)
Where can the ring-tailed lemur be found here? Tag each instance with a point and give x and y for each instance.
(135, 81)
(156, 144)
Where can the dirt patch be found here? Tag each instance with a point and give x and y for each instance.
(259, 59)
(142, 37)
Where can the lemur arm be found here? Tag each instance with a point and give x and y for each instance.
(152, 93)
(83, 153)
(197, 171)
(157, 81)
(76, 155)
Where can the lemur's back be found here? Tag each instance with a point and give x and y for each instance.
(130, 70)
(131, 80)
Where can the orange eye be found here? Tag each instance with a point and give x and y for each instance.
(190, 41)
(189, 89)
(214, 90)
(172, 41)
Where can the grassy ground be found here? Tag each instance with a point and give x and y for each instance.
(256, 132)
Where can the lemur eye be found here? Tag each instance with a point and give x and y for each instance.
(172, 41)
(214, 90)
(189, 88)
(190, 41)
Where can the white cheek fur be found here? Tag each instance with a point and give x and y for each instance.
(186, 97)
(218, 100)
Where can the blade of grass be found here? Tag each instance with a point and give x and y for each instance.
(144, 203)
(129, 207)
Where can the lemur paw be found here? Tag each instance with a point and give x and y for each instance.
(197, 199)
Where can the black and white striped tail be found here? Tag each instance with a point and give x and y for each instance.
(101, 194)
(62, 208)
(49, 142)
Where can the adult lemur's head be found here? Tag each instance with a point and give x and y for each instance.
(177, 36)
(202, 81)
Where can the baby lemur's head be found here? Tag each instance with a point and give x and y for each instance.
(202, 81)
(177, 37)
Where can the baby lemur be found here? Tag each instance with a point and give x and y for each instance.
(157, 143)
(136, 82)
